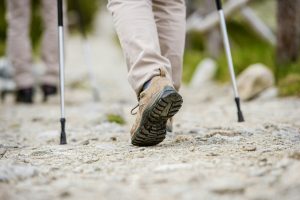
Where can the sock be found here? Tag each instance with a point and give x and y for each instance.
(146, 85)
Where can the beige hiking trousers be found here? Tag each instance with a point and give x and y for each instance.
(152, 35)
(19, 46)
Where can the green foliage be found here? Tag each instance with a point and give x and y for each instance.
(2, 48)
(113, 118)
(193, 55)
(36, 26)
(247, 48)
(289, 85)
(191, 60)
(85, 14)
(195, 41)
(284, 70)
(288, 79)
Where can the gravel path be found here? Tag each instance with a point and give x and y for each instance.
(208, 156)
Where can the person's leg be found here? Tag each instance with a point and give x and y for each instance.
(170, 18)
(18, 45)
(19, 48)
(50, 42)
(137, 32)
(50, 47)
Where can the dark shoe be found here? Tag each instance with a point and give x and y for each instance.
(48, 90)
(25, 95)
(158, 103)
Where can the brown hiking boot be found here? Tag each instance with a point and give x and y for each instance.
(159, 102)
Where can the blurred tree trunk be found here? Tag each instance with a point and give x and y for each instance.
(288, 33)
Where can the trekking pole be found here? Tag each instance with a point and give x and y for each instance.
(87, 53)
(63, 139)
(229, 60)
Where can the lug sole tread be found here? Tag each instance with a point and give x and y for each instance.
(152, 129)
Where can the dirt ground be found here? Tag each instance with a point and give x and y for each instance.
(208, 156)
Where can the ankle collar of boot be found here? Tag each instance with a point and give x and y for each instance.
(162, 72)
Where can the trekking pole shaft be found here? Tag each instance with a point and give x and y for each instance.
(61, 56)
(229, 59)
(61, 70)
(228, 52)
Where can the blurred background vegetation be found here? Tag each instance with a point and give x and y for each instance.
(88, 10)
(247, 46)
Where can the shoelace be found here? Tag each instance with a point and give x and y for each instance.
(134, 110)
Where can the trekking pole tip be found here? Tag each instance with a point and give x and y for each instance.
(63, 138)
(239, 111)
(240, 116)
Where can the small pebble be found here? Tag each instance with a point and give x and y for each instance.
(212, 154)
(140, 156)
(192, 148)
(249, 148)
(65, 194)
(183, 138)
(73, 140)
(86, 142)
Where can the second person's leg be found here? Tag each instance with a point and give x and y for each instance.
(19, 48)
(50, 48)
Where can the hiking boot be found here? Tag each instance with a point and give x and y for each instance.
(25, 95)
(48, 90)
(158, 103)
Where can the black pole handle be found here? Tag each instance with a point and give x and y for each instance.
(60, 12)
(219, 4)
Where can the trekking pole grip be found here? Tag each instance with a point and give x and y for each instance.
(60, 12)
(219, 4)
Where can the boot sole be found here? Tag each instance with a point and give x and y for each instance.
(152, 127)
